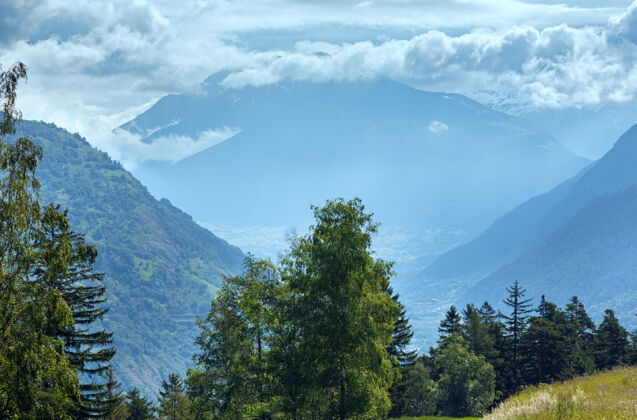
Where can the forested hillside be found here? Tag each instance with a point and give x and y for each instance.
(161, 267)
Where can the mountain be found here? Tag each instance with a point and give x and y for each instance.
(161, 267)
(578, 239)
(417, 159)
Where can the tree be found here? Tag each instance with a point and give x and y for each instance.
(450, 325)
(611, 345)
(233, 376)
(220, 384)
(117, 409)
(415, 394)
(173, 404)
(36, 379)
(580, 329)
(545, 345)
(65, 262)
(401, 337)
(515, 324)
(139, 408)
(467, 382)
(346, 316)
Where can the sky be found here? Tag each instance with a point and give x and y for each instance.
(94, 65)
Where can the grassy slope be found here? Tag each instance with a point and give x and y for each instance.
(162, 268)
(609, 395)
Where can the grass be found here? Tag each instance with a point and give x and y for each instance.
(608, 395)
(436, 418)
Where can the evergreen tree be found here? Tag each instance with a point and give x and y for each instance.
(139, 408)
(611, 345)
(114, 399)
(36, 380)
(415, 394)
(87, 349)
(581, 339)
(545, 345)
(450, 325)
(401, 337)
(515, 325)
(475, 332)
(173, 404)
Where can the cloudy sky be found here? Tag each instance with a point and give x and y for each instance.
(96, 64)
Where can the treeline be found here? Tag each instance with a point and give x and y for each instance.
(484, 356)
(54, 361)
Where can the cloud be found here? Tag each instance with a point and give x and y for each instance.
(437, 127)
(94, 65)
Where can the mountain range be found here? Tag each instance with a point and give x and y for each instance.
(578, 239)
(162, 269)
(417, 159)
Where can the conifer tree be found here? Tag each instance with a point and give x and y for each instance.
(402, 335)
(611, 344)
(87, 349)
(173, 404)
(545, 345)
(580, 335)
(450, 325)
(515, 325)
(139, 408)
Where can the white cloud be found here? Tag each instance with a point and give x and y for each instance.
(94, 65)
(437, 127)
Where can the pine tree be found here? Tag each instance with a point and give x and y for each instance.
(545, 345)
(139, 408)
(450, 325)
(611, 342)
(402, 335)
(580, 335)
(113, 398)
(173, 404)
(87, 349)
(515, 325)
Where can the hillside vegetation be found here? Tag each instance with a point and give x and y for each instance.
(162, 268)
(609, 395)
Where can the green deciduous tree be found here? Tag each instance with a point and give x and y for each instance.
(36, 379)
(467, 382)
(346, 316)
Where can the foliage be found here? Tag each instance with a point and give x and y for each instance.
(162, 268)
(36, 379)
(139, 408)
(467, 382)
(308, 338)
(173, 403)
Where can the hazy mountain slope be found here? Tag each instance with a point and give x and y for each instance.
(416, 158)
(530, 223)
(162, 268)
(584, 245)
(593, 256)
(504, 240)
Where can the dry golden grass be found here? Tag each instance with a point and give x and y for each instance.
(604, 396)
